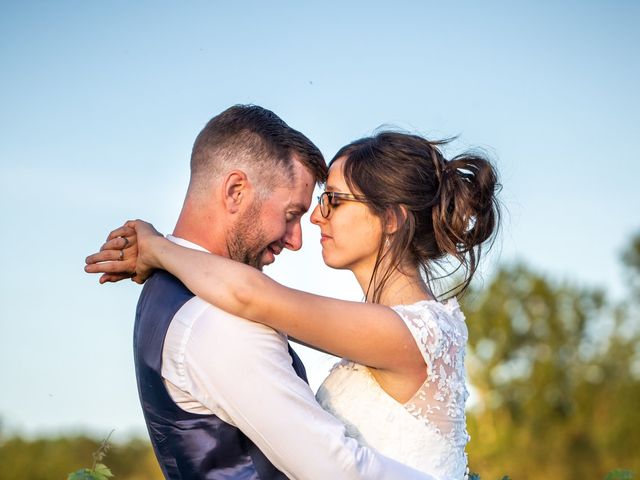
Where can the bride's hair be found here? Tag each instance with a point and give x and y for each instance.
(442, 208)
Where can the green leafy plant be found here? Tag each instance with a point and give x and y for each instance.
(619, 475)
(612, 475)
(98, 471)
(475, 476)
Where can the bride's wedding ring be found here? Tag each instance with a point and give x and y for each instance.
(126, 242)
(121, 255)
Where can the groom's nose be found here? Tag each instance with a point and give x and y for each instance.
(293, 237)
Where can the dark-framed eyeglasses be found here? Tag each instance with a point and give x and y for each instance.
(328, 200)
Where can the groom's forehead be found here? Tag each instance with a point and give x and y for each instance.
(298, 180)
(293, 198)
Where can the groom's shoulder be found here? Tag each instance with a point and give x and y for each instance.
(162, 284)
(208, 317)
(161, 279)
(162, 292)
(203, 322)
(205, 333)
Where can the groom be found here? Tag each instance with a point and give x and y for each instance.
(223, 397)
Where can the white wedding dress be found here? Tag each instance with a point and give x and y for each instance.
(428, 432)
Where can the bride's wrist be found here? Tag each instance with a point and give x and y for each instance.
(154, 250)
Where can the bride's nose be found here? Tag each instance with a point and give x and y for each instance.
(316, 216)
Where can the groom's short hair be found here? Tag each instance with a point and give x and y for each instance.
(254, 139)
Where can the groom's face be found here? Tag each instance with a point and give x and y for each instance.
(270, 225)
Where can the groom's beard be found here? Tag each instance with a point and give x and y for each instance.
(247, 241)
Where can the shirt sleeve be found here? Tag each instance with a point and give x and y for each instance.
(242, 372)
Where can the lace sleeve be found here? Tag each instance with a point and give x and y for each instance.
(441, 334)
(424, 329)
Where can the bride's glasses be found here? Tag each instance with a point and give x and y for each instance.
(328, 200)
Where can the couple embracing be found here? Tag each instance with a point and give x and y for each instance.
(224, 395)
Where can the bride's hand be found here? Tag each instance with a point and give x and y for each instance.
(127, 253)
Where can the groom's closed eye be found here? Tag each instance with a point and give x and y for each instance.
(295, 213)
(294, 216)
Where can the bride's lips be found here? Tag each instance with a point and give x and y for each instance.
(324, 237)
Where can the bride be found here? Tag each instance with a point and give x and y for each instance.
(393, 210)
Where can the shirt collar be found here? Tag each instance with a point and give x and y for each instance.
(186, 243)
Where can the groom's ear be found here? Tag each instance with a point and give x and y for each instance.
(237, 190)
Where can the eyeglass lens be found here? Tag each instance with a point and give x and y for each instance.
(325, 204)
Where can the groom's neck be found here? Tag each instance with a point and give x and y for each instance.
(198, 226)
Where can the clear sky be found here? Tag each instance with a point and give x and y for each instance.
(101, 101)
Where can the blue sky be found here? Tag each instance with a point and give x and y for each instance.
(101, 102)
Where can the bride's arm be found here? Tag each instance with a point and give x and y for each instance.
(370, 334)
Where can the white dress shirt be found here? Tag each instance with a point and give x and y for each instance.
(241, 371)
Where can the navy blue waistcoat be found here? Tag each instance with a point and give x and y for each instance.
(187, 445)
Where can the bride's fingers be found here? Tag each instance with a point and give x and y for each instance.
(120, 243)
(123, 231)
(118, 267)
(140, 278)
(120, 261)
(109, 255)
(114, 277)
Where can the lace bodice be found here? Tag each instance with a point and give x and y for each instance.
(429, 431)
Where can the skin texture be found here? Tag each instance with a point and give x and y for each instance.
(265, 227)
(350, 236)
(233, 206)
(248, 241)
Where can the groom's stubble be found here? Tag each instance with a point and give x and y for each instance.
(247, 241)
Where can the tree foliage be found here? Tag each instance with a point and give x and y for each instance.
(555, 376)
(54, 458)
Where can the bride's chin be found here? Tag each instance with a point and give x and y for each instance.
(332, 262)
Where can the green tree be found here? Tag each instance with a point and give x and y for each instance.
(555, 372)
(54, 458)
(631, 261)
